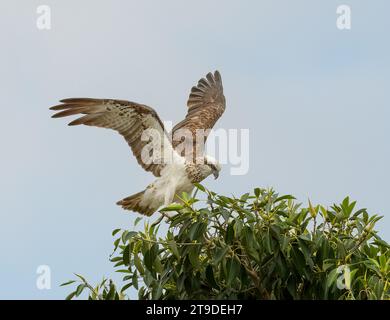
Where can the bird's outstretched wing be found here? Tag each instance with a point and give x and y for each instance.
(128, 118)
(206, 104)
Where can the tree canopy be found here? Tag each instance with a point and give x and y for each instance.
(258, 246)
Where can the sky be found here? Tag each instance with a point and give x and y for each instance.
(314, 98)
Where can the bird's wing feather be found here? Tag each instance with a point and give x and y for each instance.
(131, 120)
(206, 104)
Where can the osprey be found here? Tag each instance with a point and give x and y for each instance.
(177, 163)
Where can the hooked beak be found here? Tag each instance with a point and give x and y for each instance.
(215, 174)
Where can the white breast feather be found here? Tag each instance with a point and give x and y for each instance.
(173, 180)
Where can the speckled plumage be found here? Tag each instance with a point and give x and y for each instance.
(175, 170)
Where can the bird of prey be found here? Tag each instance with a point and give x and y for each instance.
(176, 168)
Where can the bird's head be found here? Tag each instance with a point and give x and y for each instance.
(210, 166)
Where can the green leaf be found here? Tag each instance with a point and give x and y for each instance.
(119, 263)
(210, 277)
(197, 230)
(116, 244)
(66, 283)
(347, 278)
(156, 292)
(126, 255)
(193, 256)
(313, 211)
(229, 236)
(267, 242)
(80, 289)
(226, 200)
(157, 264)
(134, 280)
(286, 197)
(115, 232)
(111, 293)
(247, 233)
(306, 252)
(115, 259)
(359, 212)
(172, 245)
(123, 271)
(70, 296)
(126, 286)
(123, 237)
(292, 287)
(244, 197)
(225, 214)
(150, 256)
(172, 207)
(129, 235)
(80, 277)
(137, 220)
(138, 264)
(200, 187)
(233, 269)
(298, 260)
(220, 254)
(331, 278)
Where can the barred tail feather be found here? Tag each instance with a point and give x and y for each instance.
(133, 203)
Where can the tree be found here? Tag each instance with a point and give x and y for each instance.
(259, 246)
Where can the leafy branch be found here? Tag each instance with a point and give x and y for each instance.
(257, 246)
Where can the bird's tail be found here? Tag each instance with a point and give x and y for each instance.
(133, 203)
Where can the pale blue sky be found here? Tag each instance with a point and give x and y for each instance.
(315, 99)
